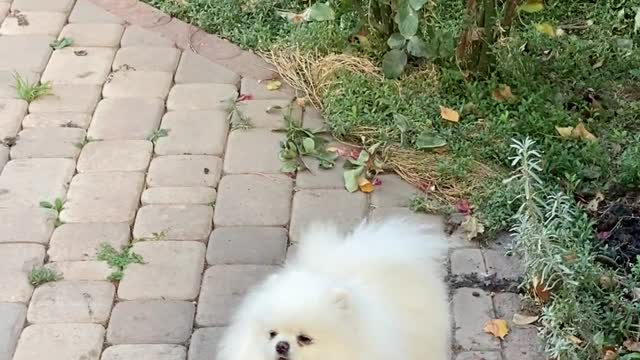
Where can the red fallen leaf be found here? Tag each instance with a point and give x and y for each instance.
(244, 97)
(424, 186)
(464, 207)
(355, 153)
(603, 235)
(377, 182)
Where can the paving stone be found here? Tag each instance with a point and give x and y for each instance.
(136, 36)
(82, 241)
(256, 112)
(319, 178)
(12, 318)
(523, 344)
(62, 6)
(37, 23)
(57, 119)
(313, 118)
(175, 222)
(184, 170)
(479, 355)
(48, 143)
(201, 96)
(204, 343)
(26, 52)
(253, 200)
(472, 308)
(172, 270)
(4, 10)
(86, 12)
(179, 195)
(195, 68)
(71, 302)
(81, 270)
(68, 98)
(99, 35)
(505, 267)
(435, 222)
(4, 156)
(151, 322)
(33, 225)
(259, 90)
(223, 287)
(65, 67)
(247, 245)
(12, 111)
(20, 257)
(92, 198)
(115, 155)
(140, 84)
(253, 151)
(8, 81)
(145, 352)
(60, 341)
(393, 192)
(148, 58)
(15, 287)
(27, 182)
(126, 119)
(346, 210)
(467, 262)
(193, 132)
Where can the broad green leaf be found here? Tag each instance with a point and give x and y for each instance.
(59, 204)
(396, 41)
(632, 356)
(416, 47)
(408, 21)
(351, 178)
(429, 141)
(363, 157)
(402, 123)
(61, 44)
(319, 12)
(289, 167)
(393, 63)
(46, 205)
(532, 6)
(309, 145)
(546, 29)
(417, 4)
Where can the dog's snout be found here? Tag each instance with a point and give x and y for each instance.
(282, 347)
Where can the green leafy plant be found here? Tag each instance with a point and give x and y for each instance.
(236, 118)
(40, 275)
(57, 206)
(360, 172)
(157, 134)
(30, 92)
(61, 43)
(118, 260)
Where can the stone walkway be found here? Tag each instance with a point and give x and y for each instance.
(126, 77)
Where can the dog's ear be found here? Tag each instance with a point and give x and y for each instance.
(340, 297)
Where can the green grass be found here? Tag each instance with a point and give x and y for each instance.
(40, 275)
(118, 260)
(30, 92)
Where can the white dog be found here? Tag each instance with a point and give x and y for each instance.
(376, 294)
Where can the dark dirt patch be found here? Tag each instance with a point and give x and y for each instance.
(491, 283)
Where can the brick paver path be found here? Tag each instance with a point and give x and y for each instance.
(205, 206)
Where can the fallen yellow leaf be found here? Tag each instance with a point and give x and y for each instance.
(449, 114)
(580, 131)
(365, 185)
(564, 132)
(574, 339)
(520, 319)
(532, 6)
(273, 85)
(497, 327)
(546, 29)
(503, 94)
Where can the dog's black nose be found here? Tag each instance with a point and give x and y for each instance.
(282, 347)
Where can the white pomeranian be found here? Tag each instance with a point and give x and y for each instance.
(375, 294)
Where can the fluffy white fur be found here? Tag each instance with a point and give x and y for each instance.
(375, 294)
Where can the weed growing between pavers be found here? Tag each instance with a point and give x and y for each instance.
(57, 206)
(118, 260)
(30, 92)
(40, 275)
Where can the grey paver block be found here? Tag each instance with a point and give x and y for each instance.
(48, 143)
(256, 112)
(253, 200)
(12, 111)
(506, 304)
(145, 352)
(259, 90)
(4, 10)
(62, 6)
(125, 119)
(26, 52)
(223, 287)
(247, 245)
(204, 342)
(148, 58)
(346, 210)
(435, 222)
(172, 270)
(479, 355)
(98, 35)
(38, 23)
(4, 156)
(472, 308)
(73, 242)
(115, 155)
(151, 322)
(179, 195)
(467, 262)
(86, 12)
(60, 342)
(194, 68)
(8, 81)
(193, 132)
(13, 317)
(27, 182)
(136, 36)
(175, 222)
(393, 192)
(253, 151)
(201, 96)
(14, 286)
(33, 225)
(68, 98)
(67, 67)
(103, 197)
(523, 344)
(21, 257)
(71, 302)
(503, 266)
(319, 178)
(184, 170)
(313, 119)
(81, 270)
(140, 84)
(57, 119)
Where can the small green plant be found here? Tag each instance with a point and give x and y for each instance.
(157, 134)
(81, 144)
(118, 260)
(57, 206)
(40, 275)
(423, 204)
(61, 43)
(30, 92)
(236, 118)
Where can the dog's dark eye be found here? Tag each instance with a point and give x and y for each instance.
(272, 334)
(304, 340)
